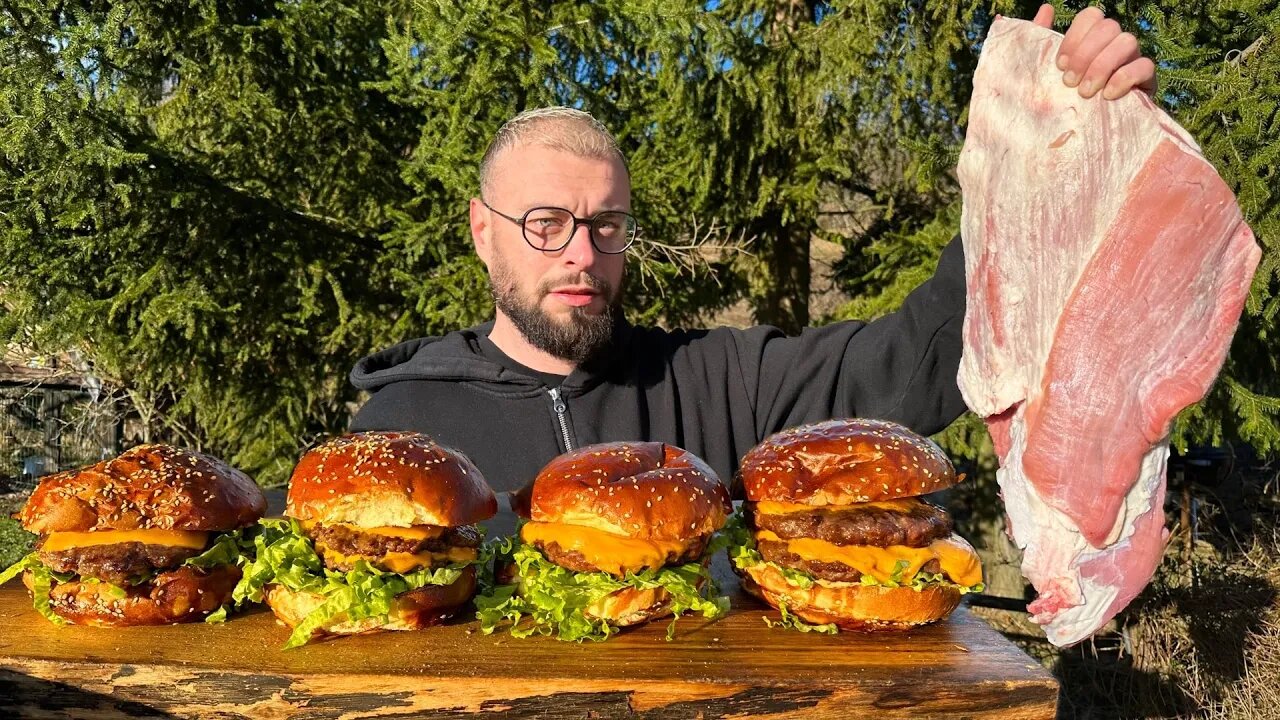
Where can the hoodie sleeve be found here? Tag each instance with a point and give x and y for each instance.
(900, 367)
(388, 411)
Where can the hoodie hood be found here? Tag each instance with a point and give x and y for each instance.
(457, 357)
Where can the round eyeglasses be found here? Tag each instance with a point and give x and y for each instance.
(549, 229)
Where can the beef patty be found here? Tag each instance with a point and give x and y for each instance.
(861, 525)
(119, 563)
(776, 552)
(348, 541)
(574, 560)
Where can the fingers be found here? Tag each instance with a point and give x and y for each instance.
(1140, 73)
(1121, 51)
(1044, 16)
(1080, 27)
(1097, 56)
(1100, 37)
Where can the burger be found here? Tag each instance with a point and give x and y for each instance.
(380, 534)
(616, 534)
(832, 531)
(148, 538)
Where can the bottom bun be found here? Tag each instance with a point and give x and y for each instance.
(631, 606)
(183, 595)
(412, 610)
(853, 607)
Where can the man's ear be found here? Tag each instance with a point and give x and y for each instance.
(480, 230)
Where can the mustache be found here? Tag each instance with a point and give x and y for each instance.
(595, 283)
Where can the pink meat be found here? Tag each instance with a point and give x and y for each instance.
(1107, 266)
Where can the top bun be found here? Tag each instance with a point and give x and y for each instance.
(644, 490)
(840, 462)
(395, 479)
(148, 487)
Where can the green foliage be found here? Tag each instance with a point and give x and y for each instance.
(1223, 85)
(195, 198)
(15, 542)
(223, 205)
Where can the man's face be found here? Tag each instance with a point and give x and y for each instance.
(562, 302)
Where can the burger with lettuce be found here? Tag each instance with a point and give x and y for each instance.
(380, 534)
(834, 535)
(616, 534)
(151, 537)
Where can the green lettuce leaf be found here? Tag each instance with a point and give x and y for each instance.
(228, 548)
(283, 555)
(548, 599)
(43, 579)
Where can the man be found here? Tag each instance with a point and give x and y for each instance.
(559, 367)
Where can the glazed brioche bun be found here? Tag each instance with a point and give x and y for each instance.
(643, 490)
(148, 487)
(378, 479)
(412, 610)
(844, 461)
(631, 606)
(186, 594)
(852, 607)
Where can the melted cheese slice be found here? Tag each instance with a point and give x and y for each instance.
(767, 507)
(57, 541)
(610, 553)
(401, 562)
(956, 557)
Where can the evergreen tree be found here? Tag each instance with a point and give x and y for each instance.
(224, 204)
(196, 195)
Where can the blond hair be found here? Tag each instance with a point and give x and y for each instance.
(558, 128)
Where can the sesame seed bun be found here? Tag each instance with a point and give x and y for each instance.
(852, 606)
(645, 490)
(148, 487)
(844, 461)
(412, 610)
(397, 479)
(186, 594)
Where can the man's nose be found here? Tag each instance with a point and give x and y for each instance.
(580, 251)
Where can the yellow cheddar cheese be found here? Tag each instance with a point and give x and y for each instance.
(956, 557)
(57, 541)
(610, 553)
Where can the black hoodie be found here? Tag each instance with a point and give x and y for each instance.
(715, 392)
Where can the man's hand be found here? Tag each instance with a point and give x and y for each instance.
(1096, 55)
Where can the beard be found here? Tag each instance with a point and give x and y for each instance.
(579, 338)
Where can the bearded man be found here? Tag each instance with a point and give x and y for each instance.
(559, 367)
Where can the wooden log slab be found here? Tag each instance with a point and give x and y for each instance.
(734, 666)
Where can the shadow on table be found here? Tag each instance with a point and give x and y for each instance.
(29, 696)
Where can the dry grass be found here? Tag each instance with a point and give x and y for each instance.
(1203, 640)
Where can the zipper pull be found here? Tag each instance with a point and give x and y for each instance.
(557, 403)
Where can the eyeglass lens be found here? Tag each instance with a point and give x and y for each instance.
(550, 228)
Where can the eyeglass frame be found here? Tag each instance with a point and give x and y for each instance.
(577, 221)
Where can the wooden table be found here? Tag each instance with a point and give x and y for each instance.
(735, 666)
